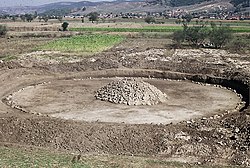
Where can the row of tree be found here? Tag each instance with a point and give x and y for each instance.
(213, 36)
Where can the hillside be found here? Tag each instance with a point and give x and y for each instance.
(244, 3)
(175, 3)
(85, 7)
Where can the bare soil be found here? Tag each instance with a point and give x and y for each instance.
(74, 99)
(214, 137)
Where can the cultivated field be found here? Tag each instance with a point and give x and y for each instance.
(50, 116)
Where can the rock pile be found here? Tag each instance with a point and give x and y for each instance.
(131, 92)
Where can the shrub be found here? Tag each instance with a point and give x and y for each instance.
(3, 30)
(149, 20)
(93, 16)
(65, 26)
(238, 45)
(178, 37)
(219, 36)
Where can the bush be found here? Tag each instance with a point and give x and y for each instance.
(65, 26)
(219, 36)
(93, 16)
(178, 37)
(3, 30)
(238, 45)
(149, 20)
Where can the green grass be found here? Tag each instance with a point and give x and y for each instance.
(14, 157)
(144, 29)
(241, 29)
(148, 29)
(8, 58)
(22, 158)
(84, 43)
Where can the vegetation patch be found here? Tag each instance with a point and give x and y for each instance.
(147, 29)
(241, 29)
(12, 157)
(144, 29)
(3, 30)
(21, 157)
(84, 43)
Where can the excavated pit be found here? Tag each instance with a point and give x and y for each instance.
(75, 99)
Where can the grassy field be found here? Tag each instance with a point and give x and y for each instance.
(148, 29)
(22, 158)
(144, 29)
(84, 43)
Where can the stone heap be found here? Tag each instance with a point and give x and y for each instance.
(131, 92)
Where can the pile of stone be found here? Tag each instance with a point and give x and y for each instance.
(131, 92)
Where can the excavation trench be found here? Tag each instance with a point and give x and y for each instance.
(72, 97)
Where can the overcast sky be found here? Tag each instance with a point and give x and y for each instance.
(4, 3)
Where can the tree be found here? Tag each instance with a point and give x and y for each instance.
(196, 34)
(29, 17)
(3, 30)
(93, 16)
(23, 18)
(65, 26)
(149, 19)
(13, 18)
(45, 18)
(178, 37)
(187, 18)
(60, 18)
(219, 36)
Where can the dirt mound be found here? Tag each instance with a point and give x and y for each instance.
(131, 92)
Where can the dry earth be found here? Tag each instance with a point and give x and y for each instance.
(219, 137)
(74, 99)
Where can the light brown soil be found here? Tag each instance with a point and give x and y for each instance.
(74, 99)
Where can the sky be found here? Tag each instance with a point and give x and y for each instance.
(6, 3)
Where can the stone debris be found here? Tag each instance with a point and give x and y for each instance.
(131, 92)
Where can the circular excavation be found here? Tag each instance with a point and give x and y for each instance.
(82, 99)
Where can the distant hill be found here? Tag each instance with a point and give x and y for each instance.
(85, 7)
(244, 3)
(176, 3)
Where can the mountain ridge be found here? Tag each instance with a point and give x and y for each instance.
(84, 7)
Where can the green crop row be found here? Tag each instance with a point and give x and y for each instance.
(144, 29)
(84, 43)
(241, 29)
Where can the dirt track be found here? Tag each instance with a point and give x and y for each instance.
(217, 138)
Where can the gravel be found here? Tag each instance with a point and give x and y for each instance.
(131, 92)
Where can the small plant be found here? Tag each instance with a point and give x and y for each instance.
(65, 26)
(3, 30)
